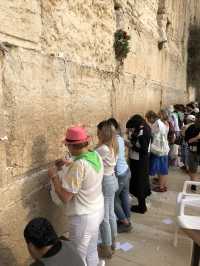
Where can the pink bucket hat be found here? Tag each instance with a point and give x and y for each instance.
(76, 135)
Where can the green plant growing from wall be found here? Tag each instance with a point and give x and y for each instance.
(121, 45)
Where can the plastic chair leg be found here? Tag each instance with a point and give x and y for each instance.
(176, 237)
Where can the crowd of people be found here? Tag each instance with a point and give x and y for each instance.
(97, 184)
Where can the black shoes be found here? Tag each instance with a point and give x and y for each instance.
(124, 228)
(139, 209)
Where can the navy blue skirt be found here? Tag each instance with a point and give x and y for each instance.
(158, 165)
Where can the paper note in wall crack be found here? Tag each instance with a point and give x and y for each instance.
(4, 138)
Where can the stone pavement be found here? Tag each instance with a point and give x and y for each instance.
(151, 238)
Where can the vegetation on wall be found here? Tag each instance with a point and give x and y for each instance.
(121, 45)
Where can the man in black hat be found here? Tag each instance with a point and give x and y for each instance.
(46, 248)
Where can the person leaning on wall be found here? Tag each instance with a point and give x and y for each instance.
(81, 189)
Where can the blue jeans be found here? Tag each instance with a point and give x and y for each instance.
(122, 208)
(108, 227)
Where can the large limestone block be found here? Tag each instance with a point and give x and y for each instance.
(91, 96)
(124, 98)
(20, 21)
(174, 96)
(154, 96)
(139, 15)
(82, 30)
(135, 94)
(37, 104)
(144, 57)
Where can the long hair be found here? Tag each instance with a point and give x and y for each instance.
(163, 115)
(116, 125)
(107, 135)
(151, 116)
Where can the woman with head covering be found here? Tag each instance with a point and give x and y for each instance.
(139, 143)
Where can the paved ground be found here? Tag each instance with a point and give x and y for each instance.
(152, 240)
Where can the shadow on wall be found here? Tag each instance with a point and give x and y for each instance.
(7, 257)
(35, 192)
(39, 152)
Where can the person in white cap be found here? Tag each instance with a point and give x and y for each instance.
(192, 137)
(190, 119)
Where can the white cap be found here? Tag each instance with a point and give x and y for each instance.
(191, 118)
(171, 108)
(196, 110)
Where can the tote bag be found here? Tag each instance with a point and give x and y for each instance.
(160, 145)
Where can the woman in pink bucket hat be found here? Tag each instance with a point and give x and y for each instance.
(81, 189)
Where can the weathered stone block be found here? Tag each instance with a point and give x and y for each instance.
(20, 22)
(82, 30)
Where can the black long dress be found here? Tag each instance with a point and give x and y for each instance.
(139, 183)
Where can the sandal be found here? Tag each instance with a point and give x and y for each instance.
(155, 181)
(159, 189)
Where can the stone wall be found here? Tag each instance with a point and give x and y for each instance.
(57, 67)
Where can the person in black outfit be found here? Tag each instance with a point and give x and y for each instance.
(46, 248)
(192, 137)
(139, 143)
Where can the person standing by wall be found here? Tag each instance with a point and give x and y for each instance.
(159, 150)
(81, 189)
(108, 150)
(139, 145)
(189, 120)
(192, 137)
(122, 171)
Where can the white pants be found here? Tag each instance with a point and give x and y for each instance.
(83, 231)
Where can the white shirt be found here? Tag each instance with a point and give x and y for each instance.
(86, 184)
(109, 159)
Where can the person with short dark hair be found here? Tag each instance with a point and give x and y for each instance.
(46, 248)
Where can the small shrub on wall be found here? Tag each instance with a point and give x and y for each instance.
(121, 45)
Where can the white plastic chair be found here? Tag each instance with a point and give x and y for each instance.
(187, 199)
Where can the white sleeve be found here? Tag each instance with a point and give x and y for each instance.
(74, 177)
(103, 151)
